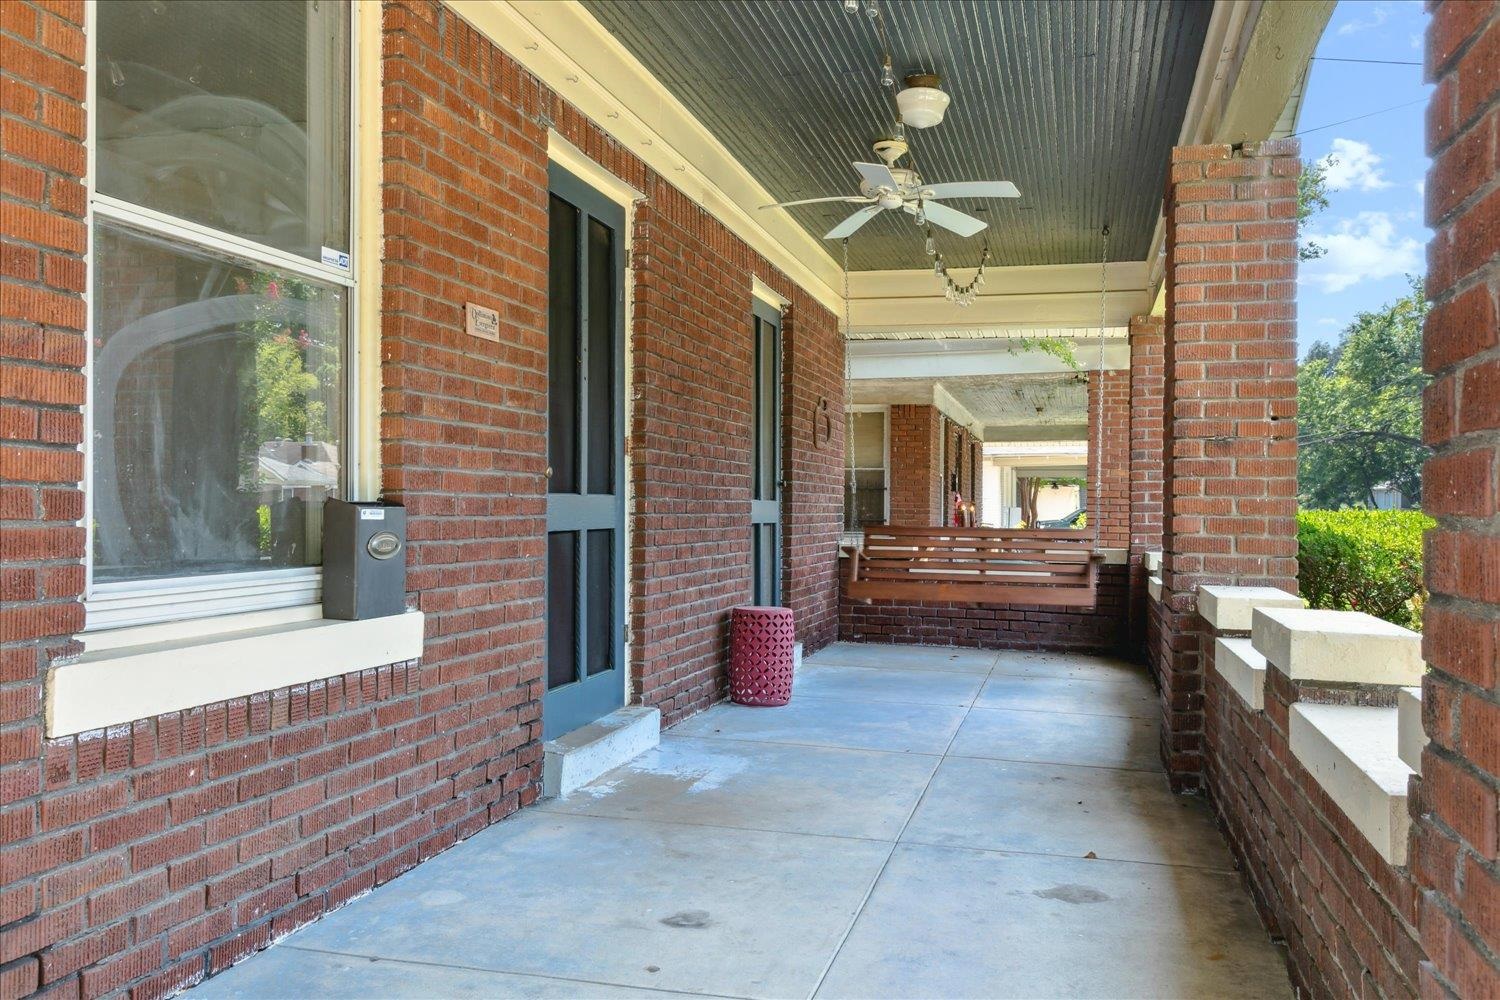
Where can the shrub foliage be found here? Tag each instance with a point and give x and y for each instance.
(1363, 560)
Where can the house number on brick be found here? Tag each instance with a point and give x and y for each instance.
(481, 322)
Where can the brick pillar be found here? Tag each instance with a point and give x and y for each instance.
(1456, 845)
(1109, 458)
(1229, 434)
(916, 482)
(1146, 460)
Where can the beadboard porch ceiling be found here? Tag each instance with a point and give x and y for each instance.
(1077, 103)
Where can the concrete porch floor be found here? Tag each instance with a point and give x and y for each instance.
(918, 822)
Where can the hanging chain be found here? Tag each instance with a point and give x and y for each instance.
(848, 388)
(1099, 394)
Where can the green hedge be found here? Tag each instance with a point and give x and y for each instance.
(1363, 560)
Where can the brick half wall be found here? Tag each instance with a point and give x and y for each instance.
(1100, 629)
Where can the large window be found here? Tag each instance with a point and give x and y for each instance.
(222, 291)
(866, 493)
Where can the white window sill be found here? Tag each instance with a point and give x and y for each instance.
(1350, 750)
(136, 673)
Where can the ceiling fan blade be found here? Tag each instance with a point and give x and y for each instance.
(971, 189)
(859, 218)
(949, 218)
(852, 199)
(877, 175)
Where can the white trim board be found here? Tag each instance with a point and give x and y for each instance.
(572, 53)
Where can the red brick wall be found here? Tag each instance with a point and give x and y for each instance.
(917, 490)
(812, 504)
(1090, 630)
(1109, 458)
(1349, 919)
(148, 855)
(1146, 459)
(1231, 402)
(691, 441)
(1456, 843)
(958, 459)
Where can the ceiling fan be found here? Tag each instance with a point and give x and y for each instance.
(884, 186)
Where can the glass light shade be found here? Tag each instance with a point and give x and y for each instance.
(922, 107)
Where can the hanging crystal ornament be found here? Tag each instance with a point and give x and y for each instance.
(851, 6)
(963, 294)
(931, 245)
(921, 216)
(872, 9)
(887, 74)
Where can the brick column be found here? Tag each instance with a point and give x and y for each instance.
(1146, 460)
(1229, 434)
(1109, 458)
(916, 457)
(1456, 845)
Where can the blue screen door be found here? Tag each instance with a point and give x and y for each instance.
(585, 443)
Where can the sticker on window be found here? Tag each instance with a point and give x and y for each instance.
(336, 258)
(372, 513)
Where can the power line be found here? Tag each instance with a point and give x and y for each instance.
(1378, 62)
(1356, 118)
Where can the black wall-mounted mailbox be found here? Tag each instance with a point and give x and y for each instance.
(364, 560)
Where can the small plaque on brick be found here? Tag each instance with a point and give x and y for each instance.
(481, 322)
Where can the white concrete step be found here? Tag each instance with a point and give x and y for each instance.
(572, 761)
(1229, 609)
(1347, 647)
(1351, 751)
(1243, 669)
(1411, 738)
(1153, 587)
(1152, 561)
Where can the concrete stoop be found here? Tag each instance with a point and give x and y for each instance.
(572, 761)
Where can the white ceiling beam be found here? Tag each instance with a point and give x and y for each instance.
(878, 359)
(1011, 433)
(1062, 296)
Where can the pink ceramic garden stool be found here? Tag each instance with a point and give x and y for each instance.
(761, 642)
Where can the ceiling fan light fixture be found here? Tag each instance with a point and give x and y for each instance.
(921, 102)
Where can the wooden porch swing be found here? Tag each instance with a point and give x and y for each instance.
(990, 566)
(1056, 568)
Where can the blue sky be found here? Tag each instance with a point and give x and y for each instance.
(1373, 227)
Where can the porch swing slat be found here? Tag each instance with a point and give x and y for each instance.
(975, 566)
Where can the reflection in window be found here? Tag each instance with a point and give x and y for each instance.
(233, 114)
(864, 463)
(218, 422)
(218, 406)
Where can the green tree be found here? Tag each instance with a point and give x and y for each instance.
(1360, 408)
(1312, 198)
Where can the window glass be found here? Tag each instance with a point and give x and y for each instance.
(218, 421)
(864, 456)
(232, 114)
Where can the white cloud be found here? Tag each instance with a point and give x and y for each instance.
(1364, 248)
(1378, 15)
(1353, 164)
(1420, 187)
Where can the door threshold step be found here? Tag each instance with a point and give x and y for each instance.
(574, 759)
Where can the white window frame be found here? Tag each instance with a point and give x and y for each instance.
(130, 603)
(885, 457)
